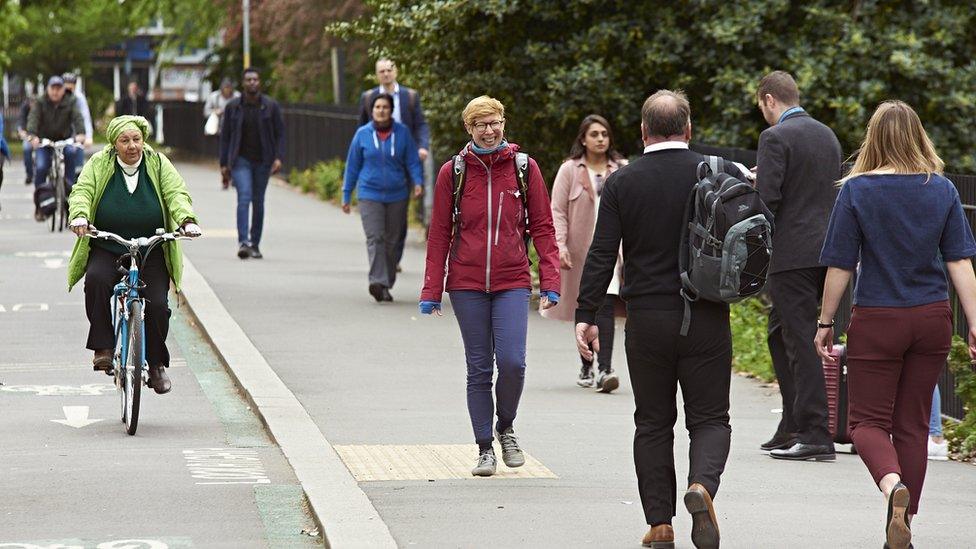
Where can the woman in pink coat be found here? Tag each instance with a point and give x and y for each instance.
(575, 202)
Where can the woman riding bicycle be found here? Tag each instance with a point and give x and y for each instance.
(131, 190)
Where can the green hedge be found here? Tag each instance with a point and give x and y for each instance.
(324, 180)
(962, 435)
(750, 355)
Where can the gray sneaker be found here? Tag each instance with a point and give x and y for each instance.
(585, 377)
(511, 453)
(606, 381)
(486, 464)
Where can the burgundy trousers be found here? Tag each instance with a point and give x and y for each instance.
(895, 357)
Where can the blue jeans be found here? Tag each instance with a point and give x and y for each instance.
(73, 157)
(29, 159)
(935, 419)
(251, 182)
(493, 328)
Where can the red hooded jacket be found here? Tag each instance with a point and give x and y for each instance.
(488, 253)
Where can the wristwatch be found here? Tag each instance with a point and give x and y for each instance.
(822, 325)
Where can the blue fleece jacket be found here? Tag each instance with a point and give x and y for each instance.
(382, 169)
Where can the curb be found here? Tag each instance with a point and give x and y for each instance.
(344, 514)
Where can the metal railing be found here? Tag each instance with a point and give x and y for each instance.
(313, 133)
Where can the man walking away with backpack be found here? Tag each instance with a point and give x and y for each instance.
(798, 168)
(643, 204)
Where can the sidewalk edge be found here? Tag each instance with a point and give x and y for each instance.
(339, 506)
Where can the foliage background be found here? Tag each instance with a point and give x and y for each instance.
(554, 61)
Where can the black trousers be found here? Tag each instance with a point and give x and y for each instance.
(659, 359)
(792, 326)
(101, 276)
(607, 324)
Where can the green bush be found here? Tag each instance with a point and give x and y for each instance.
(324, 180)
(750, 354)
(962, 435)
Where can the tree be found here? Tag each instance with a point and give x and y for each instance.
(554, 61)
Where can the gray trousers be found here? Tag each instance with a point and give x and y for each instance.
(383, 224)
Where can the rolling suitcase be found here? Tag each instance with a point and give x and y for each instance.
(835, 378)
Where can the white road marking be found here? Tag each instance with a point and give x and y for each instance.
(29, 307)
(90, 389)
(75, 416)
(117, 544)
(226, 466)
(56, 263)
(42, 255)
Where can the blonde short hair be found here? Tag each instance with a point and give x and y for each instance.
(481, 106)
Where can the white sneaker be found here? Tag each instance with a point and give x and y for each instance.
(938, 451)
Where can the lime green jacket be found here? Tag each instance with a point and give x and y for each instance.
(170, 188)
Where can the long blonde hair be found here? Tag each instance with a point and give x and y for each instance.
(896, 141)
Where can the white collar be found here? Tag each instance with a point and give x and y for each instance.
(130, 166)
(665, 145)
(394, 93)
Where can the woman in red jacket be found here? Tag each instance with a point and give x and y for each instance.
(482, 242)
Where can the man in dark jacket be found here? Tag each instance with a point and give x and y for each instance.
(799, 163)
(407, 110)
(134, 102)
(643, 205)
(56, 117)
(252, 146)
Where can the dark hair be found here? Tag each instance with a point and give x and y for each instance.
(377, 97)
(249, 70)
(666, 113)
(578, 150)
(780, 85)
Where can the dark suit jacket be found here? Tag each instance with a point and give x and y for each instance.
(272, 128)
(798, 166)
(411, 113)
(140, 107)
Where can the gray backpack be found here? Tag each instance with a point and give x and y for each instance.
(724, 255)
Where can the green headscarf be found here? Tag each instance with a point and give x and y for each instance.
(124, 123)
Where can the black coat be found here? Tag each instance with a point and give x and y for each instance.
(139, 107)
(798, 166)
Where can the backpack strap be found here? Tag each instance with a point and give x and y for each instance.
(688, 293)
(456, 192)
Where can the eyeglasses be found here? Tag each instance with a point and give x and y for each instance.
(495, 125)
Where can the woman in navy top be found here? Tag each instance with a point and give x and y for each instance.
(899, 223)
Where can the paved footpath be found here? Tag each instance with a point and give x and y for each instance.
(386, 388)
(200, 471)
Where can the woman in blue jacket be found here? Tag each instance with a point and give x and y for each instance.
(383, 163)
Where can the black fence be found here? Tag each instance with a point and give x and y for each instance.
(952, 405)
(313, 133)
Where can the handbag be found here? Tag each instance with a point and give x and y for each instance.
(213, 124)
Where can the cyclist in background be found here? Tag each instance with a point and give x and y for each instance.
(70, 89)
(131, 190)
(55, 116)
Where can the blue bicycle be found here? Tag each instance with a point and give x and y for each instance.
(129, 360)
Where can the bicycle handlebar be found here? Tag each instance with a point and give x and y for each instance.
(57, 144)
(136, 243)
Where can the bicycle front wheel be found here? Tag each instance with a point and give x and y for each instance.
(132, 372)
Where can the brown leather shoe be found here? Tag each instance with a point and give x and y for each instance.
(659, 537)
(704, 524)
(103, 360)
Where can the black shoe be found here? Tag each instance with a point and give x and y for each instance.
(898, 532)
(780, 441)
(30, 181)
(376, 290)
(386, 294)
(256, 253)
(39, 216)
(805, 452)
(158, 379)
(244, 251)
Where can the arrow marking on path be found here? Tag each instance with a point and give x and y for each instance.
(75, 416)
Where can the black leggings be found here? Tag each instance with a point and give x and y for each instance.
(606, 323)
(101, 277)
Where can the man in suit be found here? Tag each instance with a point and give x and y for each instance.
(799, 164)
(407, 110)
(643, 205)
